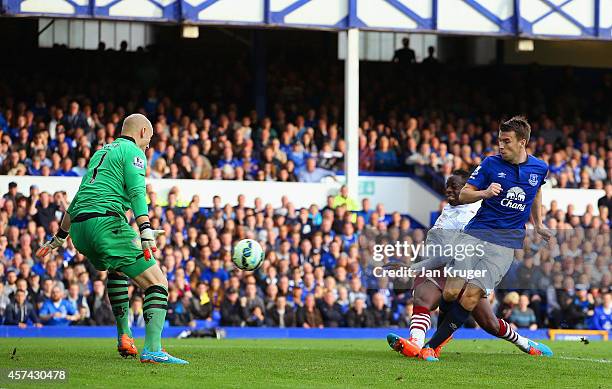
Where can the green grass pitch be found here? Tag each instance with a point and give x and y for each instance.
(312, 363)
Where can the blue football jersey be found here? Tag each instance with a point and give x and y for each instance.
(501, 219)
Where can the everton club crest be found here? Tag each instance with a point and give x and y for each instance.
(533, 179)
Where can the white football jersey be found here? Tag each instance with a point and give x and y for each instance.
(455, 218)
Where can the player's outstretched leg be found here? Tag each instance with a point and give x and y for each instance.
(483, 314)
(426, 297)
(526, 345)
(419, 325)
(117, 288)
(154, 309)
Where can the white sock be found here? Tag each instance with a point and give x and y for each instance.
(418, 335)
(419, 324)
(509, 334)
(522, 343)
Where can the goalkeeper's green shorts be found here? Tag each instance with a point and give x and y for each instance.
(109, 243)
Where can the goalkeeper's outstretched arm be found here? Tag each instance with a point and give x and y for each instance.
(66, 222)
(58, 239)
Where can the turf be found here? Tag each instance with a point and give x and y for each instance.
(312, 363)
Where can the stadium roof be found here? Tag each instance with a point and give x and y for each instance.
(564, 19)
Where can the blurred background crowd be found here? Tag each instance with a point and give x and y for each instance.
(52, 121)
(317, 271)
(424, 119)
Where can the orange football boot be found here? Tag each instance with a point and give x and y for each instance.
(406, 347)
(126, 347)
(428, 354)
(438, 349)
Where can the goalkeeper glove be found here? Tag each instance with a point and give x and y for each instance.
(147, 239)
(53, 243)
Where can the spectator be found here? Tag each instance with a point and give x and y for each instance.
(404, 56)
(84, 319)
(21, 312)
(202, 307)
(13, 192)
(136, 317)
(405, 316)
(343, 199)
(309, 315)
(214, 271)
(367, 156)
(76, 299)
(356, 291)
(331, 312)
(251, 299)
(379, 313)
(256, 317)
(309, 251)
(4, 299)
(430, 60)
(312, 173)
(178, 309)
(44, 210)
(386, 158)
(343, 299)
(510, 301)
(75, 118)
(578, 307)
(99, 306)
(57, 311)
(281, 315)
(216, 294)
(602, 317)
(358, 316)
(66, 169)
(523, 316)
(232, 312)
(606, 201)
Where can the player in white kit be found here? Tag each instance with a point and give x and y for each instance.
(428, 290)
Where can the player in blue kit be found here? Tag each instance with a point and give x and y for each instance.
(509, 185)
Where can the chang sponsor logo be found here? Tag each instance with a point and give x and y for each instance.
(515, 199)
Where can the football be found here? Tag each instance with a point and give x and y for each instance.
(248, 255)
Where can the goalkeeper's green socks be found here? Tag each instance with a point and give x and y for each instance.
(117, 286)
(154, 307)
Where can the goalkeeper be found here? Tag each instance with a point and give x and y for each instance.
(114, 183)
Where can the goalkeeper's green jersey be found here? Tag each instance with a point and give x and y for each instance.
(115, 181)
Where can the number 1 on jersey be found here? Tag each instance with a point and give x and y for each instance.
(95, 172)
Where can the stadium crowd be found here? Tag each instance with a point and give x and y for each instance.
(51, 125)
(317, 271)
(206, 143)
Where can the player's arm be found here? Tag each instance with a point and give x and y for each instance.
(66, 223)
(58, 239)
(536, 217)
(479, 186)
(134, 174)
(470, 193)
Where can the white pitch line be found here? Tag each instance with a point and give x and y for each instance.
(214, 345)
(585, 359)
(562, 357)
